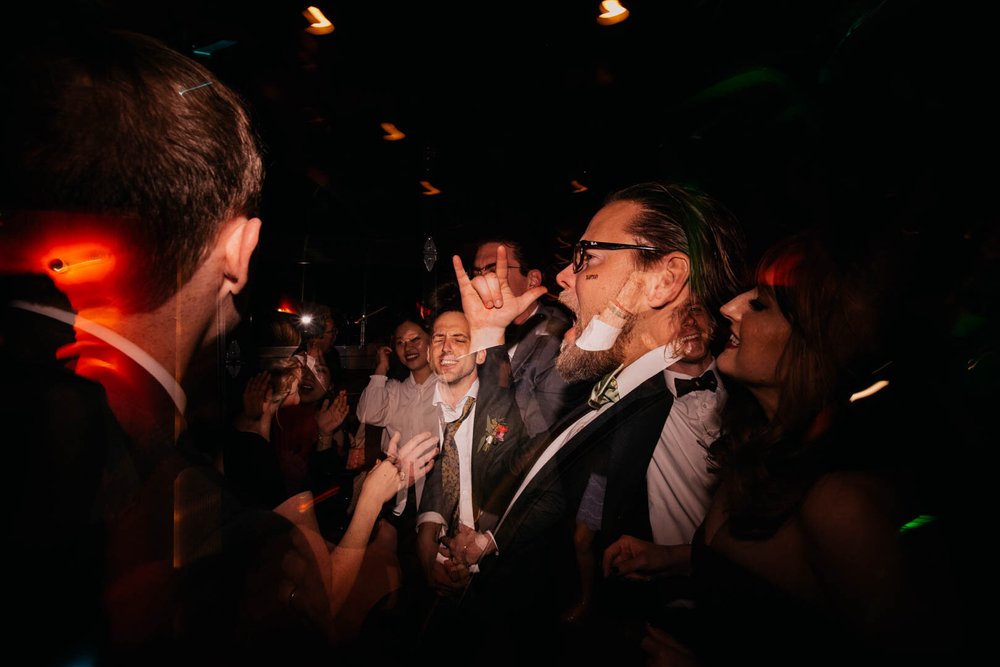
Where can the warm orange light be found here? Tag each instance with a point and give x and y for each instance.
(429, 190)
(578, 187)
(318, 24)
(77, 263)
(612, 12)
(307, 505)
(392, 133)
(781, 273)
(286, 306)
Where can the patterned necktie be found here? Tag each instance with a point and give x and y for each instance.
(449, 466)
(606, 390)
(707, 382)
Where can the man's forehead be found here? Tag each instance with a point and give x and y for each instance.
(488, 250)
(611, 223)
(451, 324)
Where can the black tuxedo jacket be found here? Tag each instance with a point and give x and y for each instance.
(535, 560)
(130, 547)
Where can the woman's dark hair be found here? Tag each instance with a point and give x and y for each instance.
(831, 296)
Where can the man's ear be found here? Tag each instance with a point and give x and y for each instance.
(534, 278)
(671, 277)
(239, 238)
(480, 357)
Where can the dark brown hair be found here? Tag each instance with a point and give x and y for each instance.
(831, 297)
(118, 124)
(682, 219)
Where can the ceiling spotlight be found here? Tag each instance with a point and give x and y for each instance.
(612, 12)
(392, 132)
(318, 24)
(429, 190)
(578, 187)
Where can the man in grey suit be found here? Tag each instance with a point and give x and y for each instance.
(533, 338)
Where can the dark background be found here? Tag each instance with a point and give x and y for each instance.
(858, 114)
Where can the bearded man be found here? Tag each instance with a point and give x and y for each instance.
(649, 253)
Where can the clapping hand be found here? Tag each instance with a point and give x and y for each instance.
(414, 459)
(332, 413)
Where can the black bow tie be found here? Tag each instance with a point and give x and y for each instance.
(706, 382)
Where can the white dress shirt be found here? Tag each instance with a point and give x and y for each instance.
(463, 444)
(679, 483)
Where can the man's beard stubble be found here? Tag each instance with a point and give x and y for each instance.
(577, 365)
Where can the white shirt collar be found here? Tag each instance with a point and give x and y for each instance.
(439, 397)
(117, 341)
(645, 367)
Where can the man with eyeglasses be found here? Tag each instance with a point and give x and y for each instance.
(645, 256)
(533, 338)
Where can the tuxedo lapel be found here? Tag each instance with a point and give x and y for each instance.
(626, 500)
(619, 416)
(638, 411)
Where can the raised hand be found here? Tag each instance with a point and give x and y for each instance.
(331, 414)
(489, 303)
(382, 360)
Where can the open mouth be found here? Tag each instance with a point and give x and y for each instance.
(734, 341)
(410, 356)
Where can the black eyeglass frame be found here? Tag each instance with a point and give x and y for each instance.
(579, 263)
(489, 268)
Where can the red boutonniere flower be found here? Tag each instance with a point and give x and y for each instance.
(496, 431)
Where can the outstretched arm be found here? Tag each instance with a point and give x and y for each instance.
(414, 460)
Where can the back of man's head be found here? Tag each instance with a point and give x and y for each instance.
(146, 142)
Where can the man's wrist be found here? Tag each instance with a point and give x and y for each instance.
(486, 337)
(485, 543)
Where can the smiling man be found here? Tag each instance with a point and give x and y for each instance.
(480, 422)
(644, 257)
